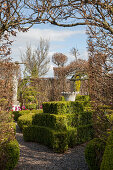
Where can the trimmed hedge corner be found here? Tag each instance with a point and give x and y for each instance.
(62, 107)
(17, 114)
(58, 122)
(25, 120)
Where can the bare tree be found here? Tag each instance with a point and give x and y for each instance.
(59, 59)
(14, 15)
(73, 13)
(74, 52)
(37, 61)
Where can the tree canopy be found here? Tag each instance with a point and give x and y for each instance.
(70, 13)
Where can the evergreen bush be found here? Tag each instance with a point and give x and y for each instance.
(10, 152)
(62, 107)
(85, 133)
(107, 160)
(53, 121)
(94, 152)
(57, 140)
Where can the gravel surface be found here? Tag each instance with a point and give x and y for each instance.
(34, 156)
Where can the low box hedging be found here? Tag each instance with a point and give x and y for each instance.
(72, 136)
(79, 119)
(94, 152)
(62, 121)
(25, 120)
(62, 107)
(31, 106)
(53, 121)
(57, 140)
(72, 120)
(17, 114)
(85, 133)
(84, 100)
(107, 160)
(9, 155)
(85, 118)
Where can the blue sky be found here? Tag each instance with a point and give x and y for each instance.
(61, 40)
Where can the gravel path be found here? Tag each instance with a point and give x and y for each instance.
(34, 156)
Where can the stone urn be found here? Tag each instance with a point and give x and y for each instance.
(69, 96)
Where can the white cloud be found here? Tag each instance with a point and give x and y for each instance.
(54, 35)
(60, 41)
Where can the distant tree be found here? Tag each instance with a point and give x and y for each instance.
(59, 59)
(74, 52)
(37, 61)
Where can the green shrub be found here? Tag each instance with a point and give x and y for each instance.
(25, 120)
(17, 114)
(58, 122)
(61, 122)
(62, 107)
(31, 106)
(57, 140)
(36, 111)
(72, 120)
(88, 108)
(9, 155)
(63, 98)
(79, 119)
(107, 160)
(82, 98)
(85, 133)
(72, 136)
(30, 98)
(94, 152)
(85, 118)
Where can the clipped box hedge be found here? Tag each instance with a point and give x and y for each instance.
(53, 121)
(85, 133)
(9, 155)
(62, 107)
(85, 118)
(57, 140)
(107, 160)
(84, 100)
(72, 136)
(62, 121)
(17, 114)
(27, 119)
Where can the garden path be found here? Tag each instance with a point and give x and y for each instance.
(34, 156)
